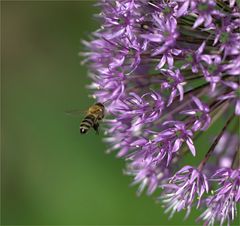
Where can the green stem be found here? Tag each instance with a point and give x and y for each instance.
(211, 149)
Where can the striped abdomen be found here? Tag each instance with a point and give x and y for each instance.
(87, 123)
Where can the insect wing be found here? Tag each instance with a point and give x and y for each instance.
(76, 112)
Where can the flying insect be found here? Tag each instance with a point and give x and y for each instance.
(94, 114)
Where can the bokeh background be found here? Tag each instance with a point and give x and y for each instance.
(51, 174)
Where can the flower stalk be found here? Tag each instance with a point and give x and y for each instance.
(211, 149)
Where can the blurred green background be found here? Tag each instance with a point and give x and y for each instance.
(51, 174)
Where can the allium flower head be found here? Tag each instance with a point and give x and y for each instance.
(167, 71)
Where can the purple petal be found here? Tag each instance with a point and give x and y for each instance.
(238, 195)
(207, 59)
(172, 95)
(197, 124)
(189, 112)
(159, 50)
(206, 123)
(185, 168)
(177, 145)
(201, 48)
(205, 183)
(193, 190)
(208, 20)
(183, 9)
(198, 22)
(114, 35)
(198, 103)
(170, 61)
(237, 108)
(162, 62)
(117, 63)
(227, 96)
(191, 146)
(152, 185)
(139, 99)
(233, 85)
(153, 37)
(181, 91)
(139, 142)
(176, 52)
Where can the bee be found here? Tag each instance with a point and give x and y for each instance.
(94, 114)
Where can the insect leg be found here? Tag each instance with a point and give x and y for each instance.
(95, 127)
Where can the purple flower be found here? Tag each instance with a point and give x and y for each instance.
(232, 2)
(205, 9)
(160, 150)
(177, 134)
(166, 8)
(119, 17)
(185, 6)
(201, 113)
(173, 81)
(183, 188)
(228, 37)
(214, 69)
(164, 145)
(167, 71)
(148, 173)
(164, 35)
(221, 206)
(233, 67)
(194, 58)
(235, 95)
(148, 107)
